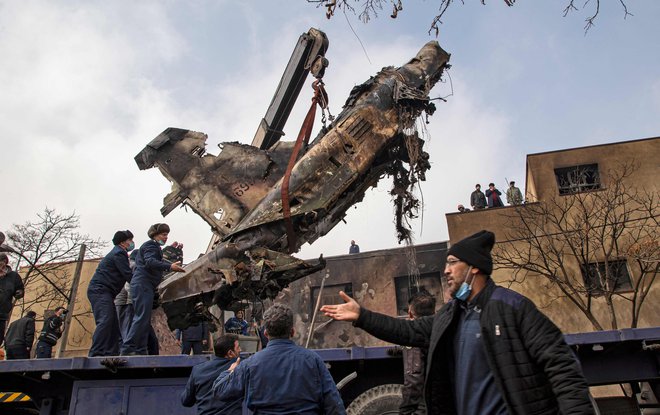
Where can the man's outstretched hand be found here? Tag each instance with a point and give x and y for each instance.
(349, 311)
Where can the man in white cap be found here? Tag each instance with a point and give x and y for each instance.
(111, 274)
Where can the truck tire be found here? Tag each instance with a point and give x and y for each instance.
(379, 400)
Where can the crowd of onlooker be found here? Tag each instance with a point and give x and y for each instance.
(492, 198)
(18, 338)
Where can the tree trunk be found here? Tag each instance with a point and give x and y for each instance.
(610, 307)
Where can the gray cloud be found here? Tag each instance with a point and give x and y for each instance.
(87, 85)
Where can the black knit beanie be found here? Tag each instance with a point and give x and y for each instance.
(475, 250)
(121, 236)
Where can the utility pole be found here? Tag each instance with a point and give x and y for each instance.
(72, 300)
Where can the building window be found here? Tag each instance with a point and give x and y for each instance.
(330, 295)
(595, 274)
(405, 287)
(576, 179)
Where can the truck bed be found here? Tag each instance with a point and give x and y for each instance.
(152, 384)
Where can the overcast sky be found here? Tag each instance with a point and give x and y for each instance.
(85, 85)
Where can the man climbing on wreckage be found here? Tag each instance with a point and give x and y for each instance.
(491, 351)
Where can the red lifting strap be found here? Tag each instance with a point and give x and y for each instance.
(321, 98)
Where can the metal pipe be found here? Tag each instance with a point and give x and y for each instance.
(316, 308)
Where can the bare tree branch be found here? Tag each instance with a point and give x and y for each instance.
(45, 249)
(592, 232)
(370, 9)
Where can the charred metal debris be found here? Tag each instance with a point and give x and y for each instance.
(239, 191)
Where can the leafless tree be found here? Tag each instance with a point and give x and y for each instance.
(44, 249)
(589, 246)
(371, 8)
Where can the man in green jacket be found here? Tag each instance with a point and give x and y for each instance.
(513, 194)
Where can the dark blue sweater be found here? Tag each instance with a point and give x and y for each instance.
(194, 333)
(149, 263)
(113, 270)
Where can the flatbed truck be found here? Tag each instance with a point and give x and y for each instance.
(369, 378)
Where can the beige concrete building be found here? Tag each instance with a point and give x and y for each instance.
(575, 200)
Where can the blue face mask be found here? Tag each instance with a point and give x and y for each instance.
(464, 290)
(161, 242)
(131, 246)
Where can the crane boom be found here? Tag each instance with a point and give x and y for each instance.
(308, 56)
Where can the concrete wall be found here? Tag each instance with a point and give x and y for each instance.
(541, 182)
(371, 276)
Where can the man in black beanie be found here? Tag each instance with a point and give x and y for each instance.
(111, 274)
(490, 350)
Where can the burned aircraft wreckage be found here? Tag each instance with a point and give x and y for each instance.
(264, 202)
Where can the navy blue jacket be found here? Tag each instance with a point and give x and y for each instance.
(494, 199)
(194, 333)
(149, 263)
(113, 270)
(283, 378)
(198, 390)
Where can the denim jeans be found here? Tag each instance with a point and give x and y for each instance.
(44, 350)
